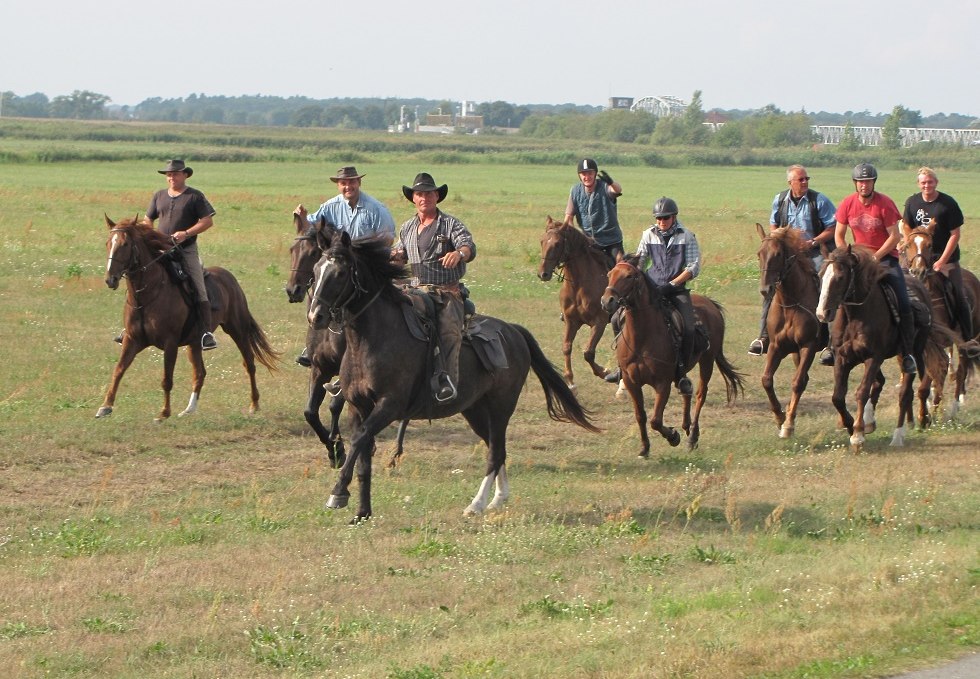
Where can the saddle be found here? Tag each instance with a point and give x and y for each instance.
(675, 323)
(419, 312)
(921, 308)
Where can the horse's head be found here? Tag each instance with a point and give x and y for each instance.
(122, 255)
(309, 245)
(627, 285)
(847, 274)
(553, 249)
(916, 249)
(350, 275)
(780, 250)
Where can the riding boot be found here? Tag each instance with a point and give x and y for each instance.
(760, 345)
(823, 337)
(906, 341)
(204, 319)
(451, 318)
(965, 317)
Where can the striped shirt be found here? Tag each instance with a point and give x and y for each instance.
(450, 234)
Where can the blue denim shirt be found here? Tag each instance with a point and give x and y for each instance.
(368, 219)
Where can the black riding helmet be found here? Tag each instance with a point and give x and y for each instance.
(665, 207)
(864, 171)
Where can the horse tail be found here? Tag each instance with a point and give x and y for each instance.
(562, 404)
(257, 339)
(734, 384)
(941, 336)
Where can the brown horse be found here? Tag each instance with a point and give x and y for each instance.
(916, 249)
(326, 346)
(386, 369)
(792, 322)
(865, 332)
(157, 314)
(582, 268)
(647, 355)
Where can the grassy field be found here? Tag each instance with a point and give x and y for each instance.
(200, 547)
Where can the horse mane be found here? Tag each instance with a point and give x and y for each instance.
(867, 269)
(372, 259)
(143, 229)
(584, 242)
(793, 240)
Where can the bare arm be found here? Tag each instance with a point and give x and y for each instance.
(954, 240)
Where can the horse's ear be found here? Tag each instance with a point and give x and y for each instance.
(345, 239)
(109, 222)
(760, 231)
(905, 228)
(619, 257)
(298, 222)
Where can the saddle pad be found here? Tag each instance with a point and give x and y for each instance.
(487, 344)
(418, 311)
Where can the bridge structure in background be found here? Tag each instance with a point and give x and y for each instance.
(871, 136)
(661, 106)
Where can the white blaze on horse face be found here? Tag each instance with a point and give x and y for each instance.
(318, 275)
(116, 238)
(822, 310)
(917, 262)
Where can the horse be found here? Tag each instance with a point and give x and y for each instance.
(582, 268)
(916, 250)
(386, 370)
(327, 346)
(647, 353)
(158, 315)
(864, 332)
(785, 269)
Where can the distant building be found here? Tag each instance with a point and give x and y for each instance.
(621, 102)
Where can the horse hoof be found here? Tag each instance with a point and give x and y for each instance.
(621, 392)
(786, 432)
(104, 411)
(472, 510)
(337, 501)
(674, 438)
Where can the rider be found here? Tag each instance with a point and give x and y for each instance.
(438, 246)
(873, 219)
(185, 213)
(670, 253)
(812, 213)
(592, 202)
(353, 211)
(940, 212)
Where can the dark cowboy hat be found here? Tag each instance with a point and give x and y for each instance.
(177, 166)
(425, 182)
(346, 172)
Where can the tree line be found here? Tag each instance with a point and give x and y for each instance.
(767, 127)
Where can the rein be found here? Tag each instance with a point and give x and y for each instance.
(788, 264)
(342, 303)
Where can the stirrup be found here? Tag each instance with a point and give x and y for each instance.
(909, 366)
(684, 386)
(333, 388)
(759, 346)
(205, 344)
(447, 392)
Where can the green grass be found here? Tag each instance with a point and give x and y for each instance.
(200, 546)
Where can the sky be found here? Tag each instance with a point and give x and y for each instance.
(834, 55)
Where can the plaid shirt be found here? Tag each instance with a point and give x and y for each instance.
(451, 234)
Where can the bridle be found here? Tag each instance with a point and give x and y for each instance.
(340, 311)
(627, 300)
(309, 236)
(558, 268)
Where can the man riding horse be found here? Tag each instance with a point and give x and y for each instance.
(438, 246)
(670, 254)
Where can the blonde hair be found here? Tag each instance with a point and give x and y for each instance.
(928, 171)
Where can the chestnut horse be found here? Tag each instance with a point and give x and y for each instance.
(916, 249)
(386, 370)
(647, 355)
(581, 266)
(792, 322)
(157, 314)
(326, 346)
(865, 332)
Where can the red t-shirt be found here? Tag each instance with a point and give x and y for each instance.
(870, 223)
